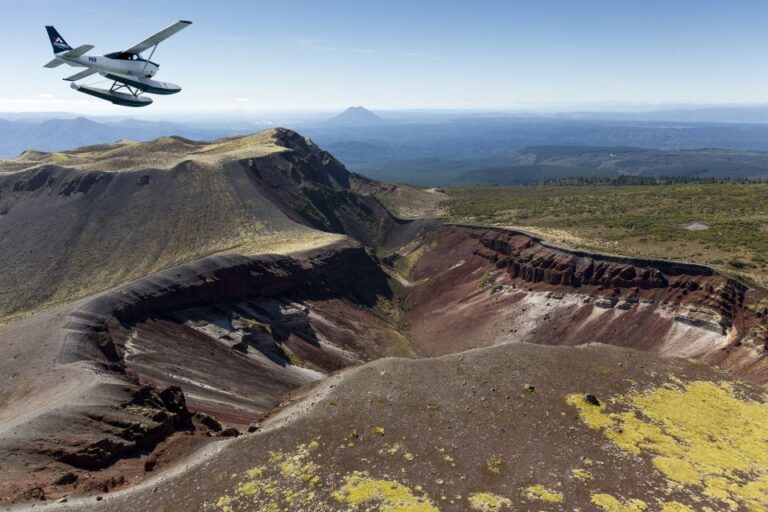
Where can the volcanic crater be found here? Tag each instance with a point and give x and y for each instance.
(244, 325)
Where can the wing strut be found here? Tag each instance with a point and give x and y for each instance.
(150, 58)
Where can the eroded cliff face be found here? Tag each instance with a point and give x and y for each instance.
(256, 328)
(482, 286)
(154, 369)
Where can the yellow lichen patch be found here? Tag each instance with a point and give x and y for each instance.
(224, 503)
(295, 467)
(678, 469)
(249, 488)
(254, 472)
(286, 482)
(539, 492)
(494, 464)
(581, 474)
(608, 503)
(379, 431)
(701, 435)
(673, 506)
(391, 449)
(488, 502)
(360, 489)
(590, 414)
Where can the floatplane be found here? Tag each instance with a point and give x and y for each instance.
(131, 74)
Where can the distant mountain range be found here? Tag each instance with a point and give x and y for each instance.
(432, 149)
(356, 116)
(437, 153)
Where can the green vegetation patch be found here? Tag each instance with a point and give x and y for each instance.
(720, 224)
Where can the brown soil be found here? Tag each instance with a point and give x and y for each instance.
(493, 420)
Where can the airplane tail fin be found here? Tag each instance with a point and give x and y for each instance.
(57, 42)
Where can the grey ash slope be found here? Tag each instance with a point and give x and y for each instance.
(83, 221)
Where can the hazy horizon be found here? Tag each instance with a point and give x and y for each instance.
(628, 111)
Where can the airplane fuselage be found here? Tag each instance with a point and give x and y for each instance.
(107, 64)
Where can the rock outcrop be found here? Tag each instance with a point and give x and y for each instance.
(484, 286)
(532, 260)
(235, 333)
(131, 429)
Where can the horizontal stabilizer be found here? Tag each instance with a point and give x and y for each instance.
(81, 75)
(54, 63)
(80, 50)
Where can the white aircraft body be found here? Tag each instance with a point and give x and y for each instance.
(127, 69)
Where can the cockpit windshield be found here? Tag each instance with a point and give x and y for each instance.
(128, 56)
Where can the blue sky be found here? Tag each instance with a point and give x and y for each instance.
(481, 54)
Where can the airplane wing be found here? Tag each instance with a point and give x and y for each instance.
(157, 38)
(81, 75)
(80, 50)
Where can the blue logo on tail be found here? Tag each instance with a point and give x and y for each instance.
(57, 42)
